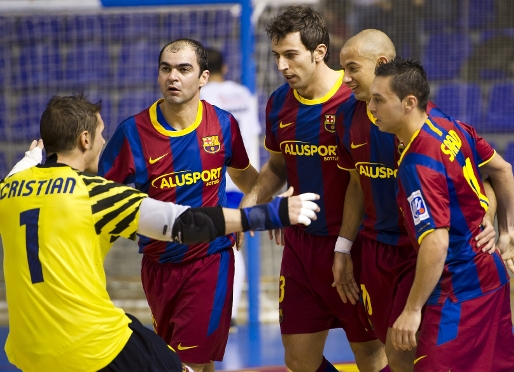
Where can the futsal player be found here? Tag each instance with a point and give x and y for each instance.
(179, 149)
(371, 156)
(301, 119)
(463, 290)
(59, 220)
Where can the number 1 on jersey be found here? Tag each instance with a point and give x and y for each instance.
(30, 219)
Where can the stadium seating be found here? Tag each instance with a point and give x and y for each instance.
(133, 102)
(88, 64)
(3, 119)
(27, 116)
(137, 64)
(4, 167)
(481, 13)
(499, 113)
(508, 154)
(38, 28)
(38, 64)
(462, 101)
(445, 53)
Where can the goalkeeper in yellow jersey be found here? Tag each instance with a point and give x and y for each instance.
(58, 221)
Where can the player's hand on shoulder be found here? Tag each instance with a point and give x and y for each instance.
(487, 237)
(506, 246)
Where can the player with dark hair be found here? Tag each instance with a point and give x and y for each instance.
(463, 290)
(301, 117)
(59, 220)
(388, 258)
(180, 149)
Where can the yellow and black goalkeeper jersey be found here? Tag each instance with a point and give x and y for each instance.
(57, 225)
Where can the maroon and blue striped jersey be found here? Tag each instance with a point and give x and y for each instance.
(439, 186)
(185, 167)
(374, 155)
(304, 132)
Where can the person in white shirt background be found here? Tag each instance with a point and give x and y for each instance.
(240, 102)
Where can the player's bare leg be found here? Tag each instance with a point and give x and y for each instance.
(208, 367)
(399, 360)
(369, 356)
(304, 352)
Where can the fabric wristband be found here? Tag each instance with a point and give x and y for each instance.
(269, 216)
(343, 245)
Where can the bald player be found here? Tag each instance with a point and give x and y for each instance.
(371, 156)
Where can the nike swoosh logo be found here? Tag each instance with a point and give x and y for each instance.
(357, 146)
(418, 359)
(285, 125)
(180, 347)
(153, 161)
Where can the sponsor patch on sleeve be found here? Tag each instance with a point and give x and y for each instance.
(418, 207)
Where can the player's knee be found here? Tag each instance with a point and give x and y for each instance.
(369, 355)
(400, 360)
(299, 363)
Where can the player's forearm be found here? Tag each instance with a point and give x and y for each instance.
(243, 179)
(491, 196)
(429, 268)
(268, 183)
(353, 208)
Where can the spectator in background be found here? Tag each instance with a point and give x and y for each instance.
(240, 102)
(368, 14)
(337, 15)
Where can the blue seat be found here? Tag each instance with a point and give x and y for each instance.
(30, 28)
(84, 28)
(445, 53)
(39, 64)
(4, 166)
(500, 109)
(88, 64)
(481, 13)
(131, 26)
(461, 101)
(508, 153)
(137, 64)
(131, 103)
(4, 57)
(27, 117)
(3, 118)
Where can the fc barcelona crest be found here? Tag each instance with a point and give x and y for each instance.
(330, 123)
(211, 144)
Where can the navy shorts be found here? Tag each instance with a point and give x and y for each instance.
(144, 351)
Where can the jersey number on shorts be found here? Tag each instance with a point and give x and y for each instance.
(30, 219)
(366, 299)
(282, 285)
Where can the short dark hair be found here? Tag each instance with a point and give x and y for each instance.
(200, 51)
(408, 77)
(300, 18)
(215, 61)
(65, 118)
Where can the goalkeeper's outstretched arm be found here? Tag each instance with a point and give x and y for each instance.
(171, 222)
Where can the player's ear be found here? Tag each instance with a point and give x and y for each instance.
(84, 141)
(381, 60)
(320, 52)
(410, 102)
(204, 78)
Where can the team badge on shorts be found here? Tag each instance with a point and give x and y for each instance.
(330, 123)
(211, 144)
(418, 207)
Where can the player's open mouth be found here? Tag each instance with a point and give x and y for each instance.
(173, 89)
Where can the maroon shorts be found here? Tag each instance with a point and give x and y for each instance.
(191, 304)
(307, 301)
(386, 278)
(474, 335)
